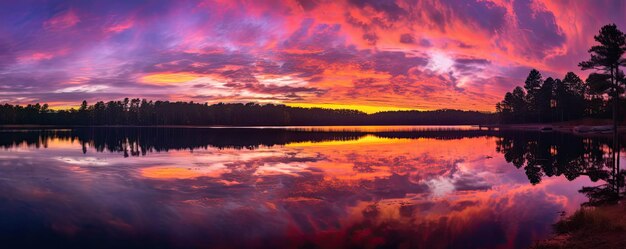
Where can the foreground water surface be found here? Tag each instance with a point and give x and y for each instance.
(297, 187)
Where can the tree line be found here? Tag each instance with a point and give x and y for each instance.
(553, 100)
(149, 113)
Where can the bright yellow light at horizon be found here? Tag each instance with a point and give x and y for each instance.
(63, 107)
(364, 108)
(58, 106)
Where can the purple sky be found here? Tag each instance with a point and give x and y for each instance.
(368, 55)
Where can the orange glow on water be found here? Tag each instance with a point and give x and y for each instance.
(367, 140)
(165, 172)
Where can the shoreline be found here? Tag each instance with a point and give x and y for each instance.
(228, 126)
(538, 127)
(565, 127)
(589, 227)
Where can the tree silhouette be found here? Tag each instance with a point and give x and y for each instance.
(553, 100)
(569, 99)
(544, 101)
(569, 96)
(533, 88)
(607, 58)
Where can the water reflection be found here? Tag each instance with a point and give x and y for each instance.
(140, 141)
(275, 188)
(555, 154)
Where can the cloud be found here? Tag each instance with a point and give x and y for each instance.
(82, 89)
(403, 53)
(63, 20)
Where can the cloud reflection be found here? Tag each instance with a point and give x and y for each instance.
(445, 193)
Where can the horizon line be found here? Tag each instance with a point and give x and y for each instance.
(367, 109)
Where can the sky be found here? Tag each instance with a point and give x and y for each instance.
(366, 55)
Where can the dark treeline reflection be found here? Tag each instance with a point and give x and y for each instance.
(140, 141)
(557, 154)
(159, 113)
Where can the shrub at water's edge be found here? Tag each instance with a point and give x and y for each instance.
(589, 227)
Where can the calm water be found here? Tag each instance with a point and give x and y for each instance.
(312, 187)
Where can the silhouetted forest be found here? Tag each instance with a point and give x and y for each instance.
(553, 100)
(147, 113)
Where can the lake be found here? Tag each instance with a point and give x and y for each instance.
(293, 187)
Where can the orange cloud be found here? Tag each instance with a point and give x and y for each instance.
(169, 78)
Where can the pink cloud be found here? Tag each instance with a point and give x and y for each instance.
(119, 27)
(426, 54)
(63, 20)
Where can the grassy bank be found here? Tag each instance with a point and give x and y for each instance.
(590, 227)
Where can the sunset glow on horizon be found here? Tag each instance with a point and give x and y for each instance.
(367, 55)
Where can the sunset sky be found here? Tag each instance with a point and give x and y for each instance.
(367, 55)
